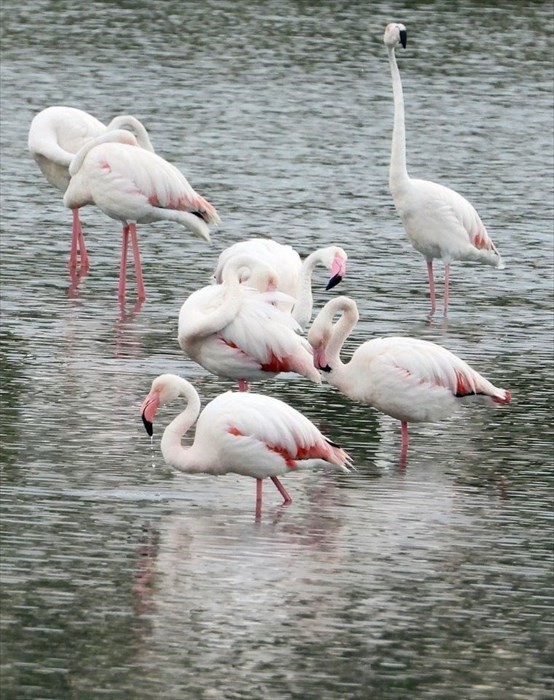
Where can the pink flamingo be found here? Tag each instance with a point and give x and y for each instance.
(55, 136)
(239, 433)
(133, 185)
(234, 331)
(406, 378)
(439, 222)
(294, 275)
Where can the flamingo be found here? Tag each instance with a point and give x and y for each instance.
(439, 222)
(55, 136)
(294, 275)
(239, 433)
(134, 185)
(234, 331)
(406, 378)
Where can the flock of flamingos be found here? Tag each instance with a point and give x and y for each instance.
(248, 324)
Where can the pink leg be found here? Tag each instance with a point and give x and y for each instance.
(83, 251)
(123, 266)
(75, 230)
(431, 285)
(244, 385)
(141, 294)
(259, 486)
(282, 490)
(404, 448)
(446, 279)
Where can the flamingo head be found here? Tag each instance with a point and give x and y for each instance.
(395, 33)
(318, 337)
(337, 267)
(162, 391)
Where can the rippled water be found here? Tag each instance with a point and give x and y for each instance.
(123, 579)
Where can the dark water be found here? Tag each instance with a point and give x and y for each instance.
(123, 579)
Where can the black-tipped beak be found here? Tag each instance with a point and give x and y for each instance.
(325, 369)
(335, 279)
(148, 425)
(403, 38)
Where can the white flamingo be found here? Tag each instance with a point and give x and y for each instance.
(439, 222)
(133, 185)
(234, 331)
(240, 433)
(406, 378)
(55, 136)
(294, 275)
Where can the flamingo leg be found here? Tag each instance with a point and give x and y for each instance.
(83, 250)
(75, 229)
(141, 294)
(259, 487)
(405, 440)
(244, 385)
(282, 490)
(446, 280)
(431, 285)
(123, 265)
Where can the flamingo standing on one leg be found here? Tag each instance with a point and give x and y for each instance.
(406, 378)
(133, 185)
(439, 222)
(55, 136)
(294, 275)
(234, 331)
(239, 433)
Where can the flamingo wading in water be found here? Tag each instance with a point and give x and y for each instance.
(294, 275)
(240, 433)
(234, 331)
(406, 378)
(133, 186)
(439, 222)
(55, 136)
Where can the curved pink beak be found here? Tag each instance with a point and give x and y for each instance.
(148, 410)
(338, 271)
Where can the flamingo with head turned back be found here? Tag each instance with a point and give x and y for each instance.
(294, 275)
(133, 185)
(406, 378)
(234, 331)
(439, 222)
(55, 136)
(239, 433)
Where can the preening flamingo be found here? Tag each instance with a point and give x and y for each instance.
(240, 433)
(55, 136)
(133, 185)
(294, 276)
(236, 332)
(406, 378)
(439, 222)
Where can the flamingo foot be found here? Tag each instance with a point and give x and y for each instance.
(282, 490)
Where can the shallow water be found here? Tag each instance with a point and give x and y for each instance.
(124, 579)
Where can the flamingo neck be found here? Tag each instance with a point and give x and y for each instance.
(173, 451)
(302, 310)
(115, 136)
(126, 121)
(339, 333)
(398, 170)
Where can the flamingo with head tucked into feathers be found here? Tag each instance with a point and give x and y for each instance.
(439, 222)
(239, 433)
(133, 186)
(409, 379)
(234, 331)
(294, 275)
(55, 136)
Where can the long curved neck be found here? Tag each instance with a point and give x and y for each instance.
(341, 330)
(398, 169)
(126, 121)
(173, 451)
(116, 136)
(302, 310)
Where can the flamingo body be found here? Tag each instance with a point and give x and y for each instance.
(439, 222)
(410, 379)
(241, 433)
(293, 275)
(234, 331)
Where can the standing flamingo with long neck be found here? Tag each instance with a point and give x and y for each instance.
(133, 186)
(234, 331)
(406, 378)
(294, 275)
(439, 222)
(239, 433)
(55, 135)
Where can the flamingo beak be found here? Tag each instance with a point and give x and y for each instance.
(148, 411)
(403, 38)
(338, 270)
(320, 361)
